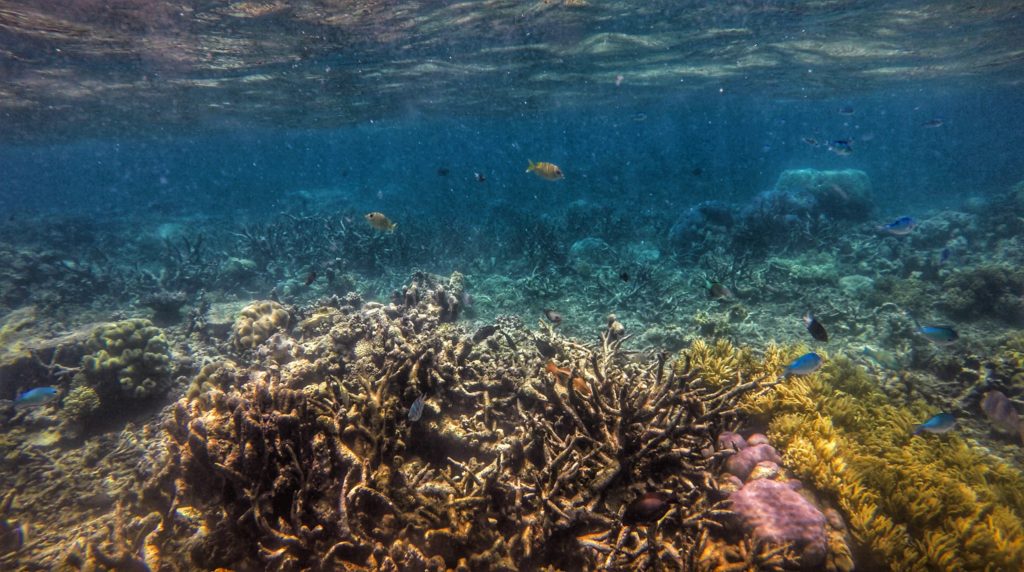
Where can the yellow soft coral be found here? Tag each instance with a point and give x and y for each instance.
(918, 502)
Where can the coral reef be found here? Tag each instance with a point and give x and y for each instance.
(510, 467)
(257, 322)
(917, 502)
(994, 290)
(130, 359)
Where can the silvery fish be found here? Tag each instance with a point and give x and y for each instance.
(416, 409)
(936, 424)
(35, 397)
(1001, 413)
(803, 365)
(899, 227)
(884, 358)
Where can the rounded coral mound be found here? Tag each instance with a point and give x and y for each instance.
(129, 359)
(257, 322)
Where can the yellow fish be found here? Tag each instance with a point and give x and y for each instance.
(548, 171)
(380, 222)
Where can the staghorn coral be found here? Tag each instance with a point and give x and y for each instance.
(916, 502)
(257, 322)
(509, 468)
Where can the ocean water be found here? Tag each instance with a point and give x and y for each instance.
(217, 154)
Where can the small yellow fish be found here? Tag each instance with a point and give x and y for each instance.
(380, 222)
(548, 171)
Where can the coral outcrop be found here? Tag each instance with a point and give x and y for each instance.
(529, 449)
(257, 322)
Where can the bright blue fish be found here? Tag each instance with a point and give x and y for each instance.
(936, 424)
(35, 397)
(416, 409)
(900, 226)
(803, 365)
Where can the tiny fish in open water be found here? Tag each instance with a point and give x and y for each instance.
(443, 171)
(841, 147)
(380, 222)
(846, 110)
(480, 178)
(553, 316)
(35, 397)
(416, 409)
(899, 227)
(803, 365)
(811, 141)
(548, 171)
(932, 123)
(936, 424)
(815, 328)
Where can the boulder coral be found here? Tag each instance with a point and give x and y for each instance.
(257, 322)
(130, 359)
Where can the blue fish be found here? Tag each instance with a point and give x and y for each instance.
(803, 365)
(899, 227)
(945, 255)
(416, 409)
(35, 397)
(936, 424)
(942, 335)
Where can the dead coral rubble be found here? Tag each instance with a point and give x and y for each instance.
(514, 465)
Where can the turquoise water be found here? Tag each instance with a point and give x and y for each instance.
(202, 156)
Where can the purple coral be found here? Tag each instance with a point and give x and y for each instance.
(743, 462)
(773, 512)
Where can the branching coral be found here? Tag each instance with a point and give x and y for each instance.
(510, 467)
(918, 502)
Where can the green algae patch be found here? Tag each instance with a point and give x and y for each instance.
(916, 502)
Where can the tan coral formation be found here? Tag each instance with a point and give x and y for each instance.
(257, 322)
(509, 468)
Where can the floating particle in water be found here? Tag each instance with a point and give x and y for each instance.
(697, 171)
(639, 117)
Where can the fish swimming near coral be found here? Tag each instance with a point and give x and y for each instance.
(899, 227)
(884, 358)
(815, 328)
(558, 372)
(553, 316)
(311, 277)
(941, 335)
(380, 222)
(1001, 413)
(648, 509)
(804, 365)
(35, 397)
(548, 171)
(416, 409)
(719, 292)
(939, 423)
